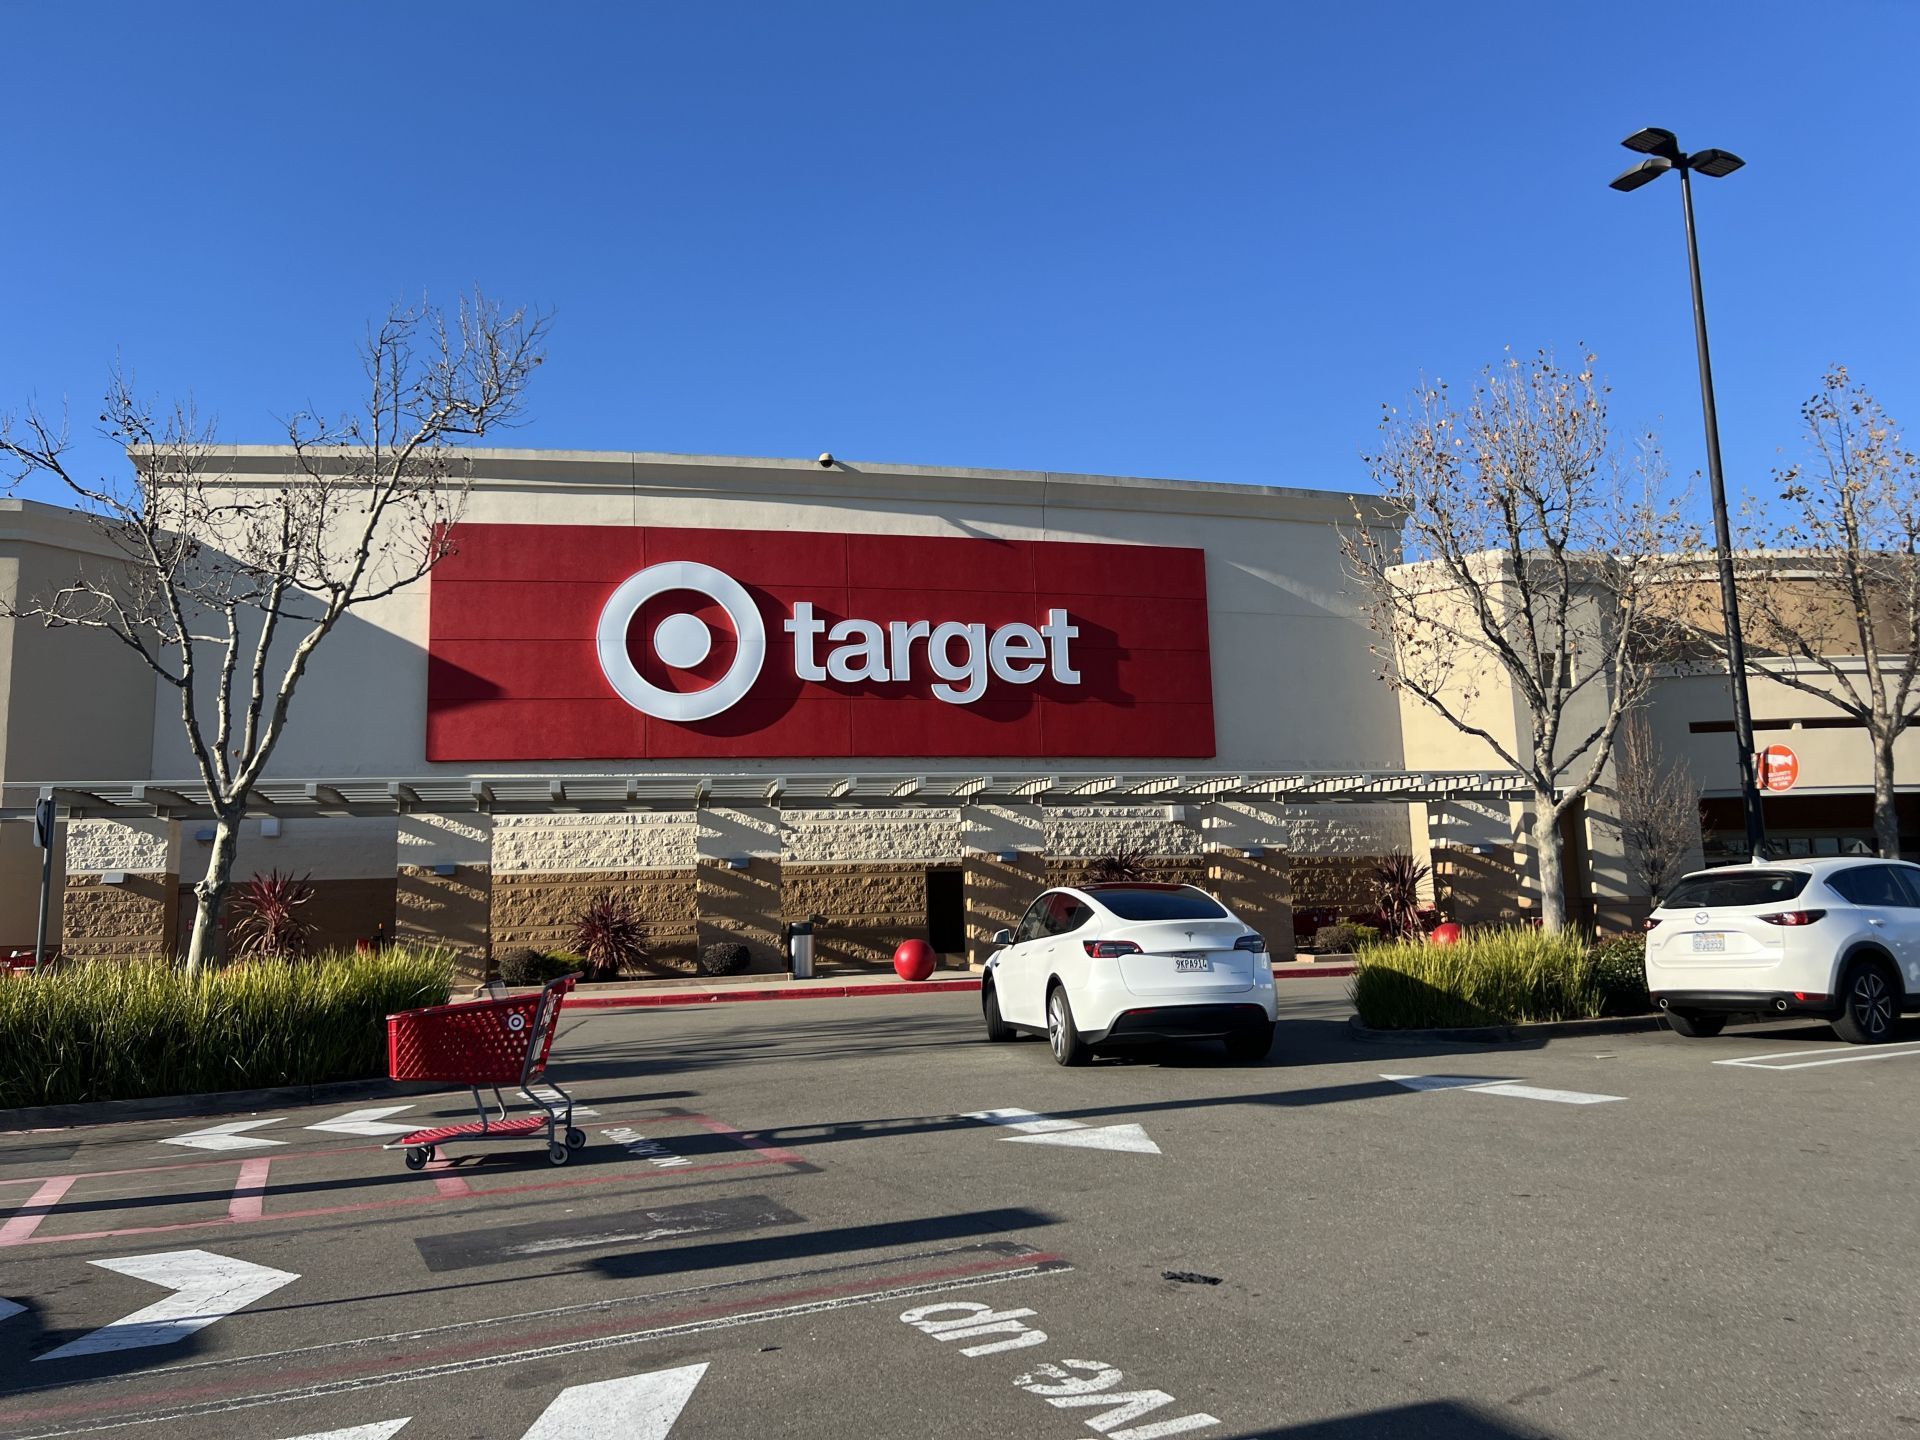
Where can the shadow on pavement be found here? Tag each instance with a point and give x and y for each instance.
(843, 1240)
(1428, 1420)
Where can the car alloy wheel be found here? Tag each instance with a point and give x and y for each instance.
(1871, 1002)
(1057, 1024)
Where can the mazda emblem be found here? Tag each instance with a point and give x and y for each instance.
(1700, 917)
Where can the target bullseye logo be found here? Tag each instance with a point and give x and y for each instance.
(681, 641)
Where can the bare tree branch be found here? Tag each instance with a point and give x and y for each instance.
(208, 562)
(1522, 575)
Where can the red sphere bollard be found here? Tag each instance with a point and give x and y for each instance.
(914, 960)
(1447, 934)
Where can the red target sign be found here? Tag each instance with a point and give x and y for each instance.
(564, 642)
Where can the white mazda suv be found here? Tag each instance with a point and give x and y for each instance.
(1837, 939)
(1102, 965)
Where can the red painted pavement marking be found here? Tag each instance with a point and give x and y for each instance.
(250, 1190)
(26, 1220)
(453, 1187)
(772, 1152)
(287, 1380)
(577, 1001)
(250, 1207)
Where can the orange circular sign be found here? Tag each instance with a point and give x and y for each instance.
(1779, 768)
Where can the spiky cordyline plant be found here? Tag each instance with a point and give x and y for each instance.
(609, 936)
(268, 919)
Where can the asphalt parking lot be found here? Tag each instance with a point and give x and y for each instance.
(855, 1218)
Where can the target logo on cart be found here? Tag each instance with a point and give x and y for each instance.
(516, 1022)
(553, 642)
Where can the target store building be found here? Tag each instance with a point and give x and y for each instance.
(746, 692)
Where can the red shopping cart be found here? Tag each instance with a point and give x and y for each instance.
(491, 1043)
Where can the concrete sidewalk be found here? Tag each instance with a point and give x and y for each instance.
(714, 990)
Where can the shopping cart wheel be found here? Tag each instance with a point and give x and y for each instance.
(557, 1153)
(576, 1139)
(418, 1156)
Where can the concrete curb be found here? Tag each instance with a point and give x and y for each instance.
(226, 1102)
(793, 990)
(1507, 1034)
(823, 990)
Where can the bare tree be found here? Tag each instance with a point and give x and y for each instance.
(224, 588)
(1835, 585)
(1512, 605)
(1658, 805)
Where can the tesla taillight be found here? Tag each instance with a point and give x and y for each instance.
(1651, 922)
(1793, 917)
(1255, 943)
(1109, 949)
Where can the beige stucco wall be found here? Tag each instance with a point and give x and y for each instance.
(72, 702)
(1277, 609)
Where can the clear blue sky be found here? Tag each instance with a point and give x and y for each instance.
(1198, 240)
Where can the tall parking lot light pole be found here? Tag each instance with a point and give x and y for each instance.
(1663, 153)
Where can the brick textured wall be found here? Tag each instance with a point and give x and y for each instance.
(1090, 831)
(998, 893)
(1333, 882)
(135, 918)
(453, 910)
(1256, 888)
(572, 844)
(832, 837)
(870, 909)
(742, 907)
(540, 911)
(143, 845)
(1161, 869)
(1479, 889)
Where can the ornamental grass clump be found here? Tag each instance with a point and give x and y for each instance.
(112, 1030)
(1493, 977)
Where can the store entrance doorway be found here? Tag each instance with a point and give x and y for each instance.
(947, 910)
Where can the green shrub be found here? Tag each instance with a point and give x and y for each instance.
(1344, 938)
(1620, 966)
(108, 1030)
(533, 967)
(725, 957)
(1492, 977)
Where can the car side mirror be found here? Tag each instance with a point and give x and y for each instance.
(1003, 936)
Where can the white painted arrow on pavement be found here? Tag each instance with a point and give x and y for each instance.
(636, 1407)
(10, 1307)
(1052, 1130)
(1490, 1086)
(227, 1136)
(206, 1286)
(366, 1122)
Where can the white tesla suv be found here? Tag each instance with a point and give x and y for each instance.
(1108, 964)
(1838, 939)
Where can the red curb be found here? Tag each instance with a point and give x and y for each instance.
(843, 992)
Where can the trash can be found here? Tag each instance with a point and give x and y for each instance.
(800, 949)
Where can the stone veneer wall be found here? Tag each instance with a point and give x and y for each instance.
(870, 909)
(135, 918)
(998, 894)
(540, 911)
(1257, 889)
(452, 910)
(742, 907)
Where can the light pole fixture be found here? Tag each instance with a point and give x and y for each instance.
(1663, 153)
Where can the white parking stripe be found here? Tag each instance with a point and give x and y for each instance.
(1534, 1092)
(1791, 1059)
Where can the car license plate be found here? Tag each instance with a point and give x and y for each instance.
(1715, 943)
(1192, 962)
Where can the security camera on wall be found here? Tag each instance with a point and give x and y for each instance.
(826, 460)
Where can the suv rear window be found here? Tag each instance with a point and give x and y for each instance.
(1742, 887)
(1186, 903)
